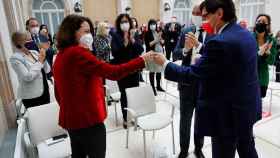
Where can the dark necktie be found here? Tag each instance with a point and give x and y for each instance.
(200, 35)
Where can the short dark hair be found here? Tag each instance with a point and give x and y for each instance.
(28, 21)
(227, 5)
(66, 35)
(151, 22)
(43, 25)
(118, 22)
(202, 6)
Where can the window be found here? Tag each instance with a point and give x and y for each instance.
(250, 9)
(49, 12)
(182, 10)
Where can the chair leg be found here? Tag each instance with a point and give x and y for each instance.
(154, 134)
(127, 136)
(270, 101)
(165, 94)
(116, 114)
(144, 138)
(173, 139)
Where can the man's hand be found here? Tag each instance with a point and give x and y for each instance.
(159, 58)
(191, 41)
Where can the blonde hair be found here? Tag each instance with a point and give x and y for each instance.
(102, 29)
(18, 38)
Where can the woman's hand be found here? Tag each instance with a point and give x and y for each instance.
(148, 56)
(42, 55)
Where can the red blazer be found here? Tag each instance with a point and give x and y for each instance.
(79, 88)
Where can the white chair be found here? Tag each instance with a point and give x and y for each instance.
(113, 95)
(272, 87)
(43, 126)
(20, 108)
(20, 147)
(142, 110)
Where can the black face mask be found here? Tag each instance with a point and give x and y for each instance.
(19, 46)
(261, 27)
(31, 45)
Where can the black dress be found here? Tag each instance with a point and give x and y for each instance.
(122, 55)
(43, 99)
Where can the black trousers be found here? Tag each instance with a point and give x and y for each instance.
(225, 147)
(124, 100)
(187, 105)
(263, 91)
(152, 78)
(278, 71)
(89, 142)
(169, 49)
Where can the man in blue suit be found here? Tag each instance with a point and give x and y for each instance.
(228, 102)
(188, 49)
(32, 26)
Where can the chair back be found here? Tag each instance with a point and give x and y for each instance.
(43, 122)
(20, 148)
(141, 100)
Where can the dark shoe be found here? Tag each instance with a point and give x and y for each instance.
(142, 80)
(183, 155)
(125, 125)
(160, 89)
(155, 92)
(199, 154)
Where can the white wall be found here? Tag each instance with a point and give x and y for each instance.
(272, 8)
(6, 42)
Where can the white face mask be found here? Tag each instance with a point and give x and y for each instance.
(125, 26)
(87, 40)
(197, 20)
(153, 27)
(34, 30)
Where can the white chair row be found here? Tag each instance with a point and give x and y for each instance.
(37, 131)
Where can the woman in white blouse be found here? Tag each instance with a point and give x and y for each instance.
(31, 68)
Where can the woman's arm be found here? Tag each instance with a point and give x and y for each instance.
(23, 73)
(47, 67)
(90, 65)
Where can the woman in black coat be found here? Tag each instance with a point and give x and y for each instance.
(153, 41)
(124, 49)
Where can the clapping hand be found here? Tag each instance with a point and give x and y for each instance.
(265, 49)
(191, 41)
(42, 55)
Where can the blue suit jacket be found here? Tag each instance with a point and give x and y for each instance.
(228, 102)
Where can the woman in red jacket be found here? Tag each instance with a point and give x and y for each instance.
(79, 88)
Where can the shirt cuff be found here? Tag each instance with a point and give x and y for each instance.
(164, 65)
(185, 51)
(197, 49)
